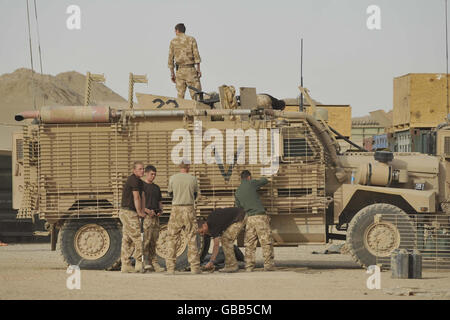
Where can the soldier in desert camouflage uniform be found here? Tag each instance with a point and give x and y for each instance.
(258, 222)
(132, 208)
(183, 52)
(153, 208)
(183, 188)
(224, 225)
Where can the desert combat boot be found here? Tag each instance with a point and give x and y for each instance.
(138, 266)
(127, 268)
(156, 266)
(229, 269)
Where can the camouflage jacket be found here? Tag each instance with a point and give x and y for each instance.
(183, 49)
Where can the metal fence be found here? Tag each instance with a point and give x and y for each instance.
(430, 234)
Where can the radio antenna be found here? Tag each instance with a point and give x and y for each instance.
(446, 56)
(301, 75)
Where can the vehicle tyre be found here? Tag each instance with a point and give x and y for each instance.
(377, 230)
(91, 244)
(203, 243)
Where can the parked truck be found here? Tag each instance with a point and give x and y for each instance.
(70, 165)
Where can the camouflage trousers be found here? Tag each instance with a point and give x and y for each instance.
(187, 76)
(228, 237)
(182, 217)
(258, 227)
(131, 235)
(151, 235)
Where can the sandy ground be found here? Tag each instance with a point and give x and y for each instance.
(32, 271)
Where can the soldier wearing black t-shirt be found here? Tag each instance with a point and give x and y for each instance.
(224, 224)
(132, 209)
(153, 208)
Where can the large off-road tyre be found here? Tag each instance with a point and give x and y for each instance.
(377, 230)
(181, 249)
(91, 243)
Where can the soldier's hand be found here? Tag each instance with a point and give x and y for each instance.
(199, 74)
(173, 77)
(208, 267)
(152, 213)
(142, 214)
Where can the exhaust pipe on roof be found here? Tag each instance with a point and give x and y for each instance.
(26, 115)
(105, 114)
(68, 114)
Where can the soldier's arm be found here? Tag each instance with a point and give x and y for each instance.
(169, 188)
(237, 203)
(196, 189)
(138, 203)
(171, 57)
(214, 254)
(144, 205)
(197, 58)
(171, 62)
(215, 251)
(260, 182)
(143, 201)
(160, 208)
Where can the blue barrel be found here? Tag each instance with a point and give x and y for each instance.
(415, 264)
(399, 264)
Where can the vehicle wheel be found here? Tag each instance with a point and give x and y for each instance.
(91, 244)
(181, 249)
(377, 230)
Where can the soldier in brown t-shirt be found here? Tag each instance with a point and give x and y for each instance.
(132, 209)
(153, 208)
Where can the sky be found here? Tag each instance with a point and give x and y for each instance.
(244, 43)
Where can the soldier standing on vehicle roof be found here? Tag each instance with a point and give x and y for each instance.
(132, 208)
(153, 208)
(184, 52)
(258, 222)
(224, 224)
(183, 188)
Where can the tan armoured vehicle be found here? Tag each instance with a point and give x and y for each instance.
(70, 165)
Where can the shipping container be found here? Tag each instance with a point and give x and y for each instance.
(419, 101)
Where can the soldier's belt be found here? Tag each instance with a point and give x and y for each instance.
(186, 65)
(182, 205)
(257, 214)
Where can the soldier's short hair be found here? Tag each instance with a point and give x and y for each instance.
(245, 174)
(201, 221)
(136, 163)
(184, 164)
(180, 27)
(150, 168)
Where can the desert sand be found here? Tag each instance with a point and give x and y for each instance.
(32, 271)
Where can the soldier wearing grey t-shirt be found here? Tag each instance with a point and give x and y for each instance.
(183, 188)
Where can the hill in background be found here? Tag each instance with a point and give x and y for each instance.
(17, 90)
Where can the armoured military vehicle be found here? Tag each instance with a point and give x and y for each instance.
(70, 165)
